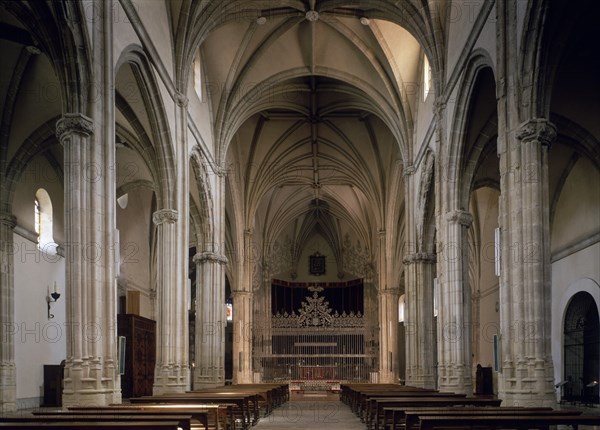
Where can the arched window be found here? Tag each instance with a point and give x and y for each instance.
(401, 302)
(43, 221)
(426, 77)
(197, 74)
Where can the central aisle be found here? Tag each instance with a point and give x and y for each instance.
(311, 412)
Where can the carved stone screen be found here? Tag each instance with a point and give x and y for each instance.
(318, 335)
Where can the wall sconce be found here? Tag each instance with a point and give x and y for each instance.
(52, 298)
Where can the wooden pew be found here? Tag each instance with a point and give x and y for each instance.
(78, 425)
(505, 422)
(412, 420)
(210, 416)
(439, 401)
(184, 421)
(245, 404)
(268, 395)
(369, 400)
(407, 417)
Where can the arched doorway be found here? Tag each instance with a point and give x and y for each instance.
(581, 349)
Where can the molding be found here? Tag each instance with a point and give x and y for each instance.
(9, 220)
(150, 49)
(71, 123)
(420, 257)
(165, 215)
(241, 294)
(212, 257)
(463, 218)
(181, 99)
(537, 130)
(573, 248)
(26, 233)
(487, 7)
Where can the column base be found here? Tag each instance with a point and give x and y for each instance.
(420, 378)
(210, 379)
(170, 379)
(528, 383)
(8, 388)
(454, 379)
(387, 378)
(83, 379)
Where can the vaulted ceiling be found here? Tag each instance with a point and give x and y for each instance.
(314, 115)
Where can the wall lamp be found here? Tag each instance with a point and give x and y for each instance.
(52, 298)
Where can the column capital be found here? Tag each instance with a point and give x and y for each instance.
(408, 170)
(537, 129)
(390, 292)
(165, 215)
(461, 217)
(439, 106)
(8, 220)
(181, 99)
(220, 171)
(238, 293)
(419, 257)
(74, 123)
(210, 257)
(381, 232)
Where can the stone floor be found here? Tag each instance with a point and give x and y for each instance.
(311, 411)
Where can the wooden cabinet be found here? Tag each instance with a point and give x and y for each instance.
(140, 354)
(53, 378)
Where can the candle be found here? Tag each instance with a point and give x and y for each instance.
(55, 286)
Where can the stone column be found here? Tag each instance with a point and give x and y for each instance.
(454, 331)
(242, 337)
(210, 320)
(8, 385)
(90, 372)
(420, 340)
(171, 372)
(527, 369)
(388, 335)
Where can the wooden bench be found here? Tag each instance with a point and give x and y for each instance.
(408, 417)
(246, 405)
(381, 403)
(412, 420)
(210, 416)
(505, 422)
(371, 408)
(361, 401)
(184, 421)
(79, 425)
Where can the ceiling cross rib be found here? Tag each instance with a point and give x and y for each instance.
(314, 137)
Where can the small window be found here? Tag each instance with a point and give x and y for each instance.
(401, 303)
(427, 84)
(43, 221)
(197, 75)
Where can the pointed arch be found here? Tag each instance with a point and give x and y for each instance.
(161, 141)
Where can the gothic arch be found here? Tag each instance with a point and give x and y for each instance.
(369, 100)
(160, 145)
(424, 219)
(59, 29)
(205, 217)
(456, 159)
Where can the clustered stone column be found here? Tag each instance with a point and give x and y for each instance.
(242, 337)
(454, 331)
(527, 369)
(210, 320)
(419, 323)
(388, 335)
(90, 372)
(171, 373)
(8, 385)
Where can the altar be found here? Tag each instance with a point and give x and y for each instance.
(317, 372)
